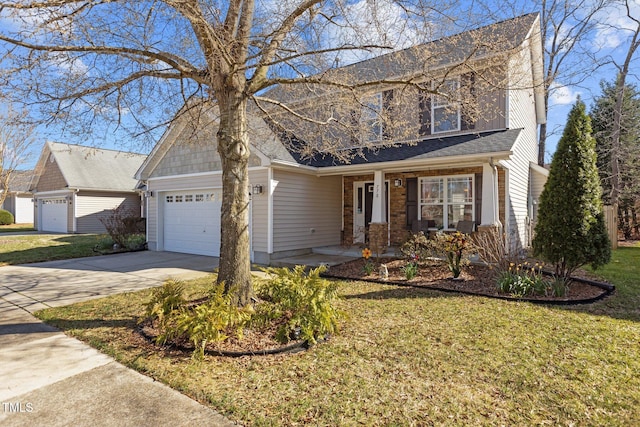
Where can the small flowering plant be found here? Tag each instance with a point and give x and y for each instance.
(523, 279)
(455, 247)
(368, 266)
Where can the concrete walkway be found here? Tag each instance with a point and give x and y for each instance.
(47, 378)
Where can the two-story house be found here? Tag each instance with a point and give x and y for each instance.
(450, 135)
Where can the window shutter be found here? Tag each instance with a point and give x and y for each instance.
(387, 113)
(468, 83)
(478, 190)
(424, 101)
(411, 201)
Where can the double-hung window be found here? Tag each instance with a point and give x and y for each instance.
(446, 200)
(445, 109)
(371, 117)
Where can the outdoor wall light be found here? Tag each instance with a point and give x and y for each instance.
(397, 182)
(257, 189)
(148, 193)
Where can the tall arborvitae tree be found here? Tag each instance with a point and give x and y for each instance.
(571, 231)
(602, 117)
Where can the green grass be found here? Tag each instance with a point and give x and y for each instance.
(411, 357)
(26, 249)
(14, 228)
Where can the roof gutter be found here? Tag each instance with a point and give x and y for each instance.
(396, 166)
(102, 190)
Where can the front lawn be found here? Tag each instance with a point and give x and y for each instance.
(411, 356)
(24, 249)
(16, 228)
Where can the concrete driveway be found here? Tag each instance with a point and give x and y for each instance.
(56, 283)
(47, 378)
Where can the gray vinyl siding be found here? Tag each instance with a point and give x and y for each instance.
(307, 211)
(152, 222)
(259, 211)
(92, 206)
(259, 231)
(9, 205)
(521, 115)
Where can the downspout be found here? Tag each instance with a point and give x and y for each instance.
(494, 188)
(75, 212)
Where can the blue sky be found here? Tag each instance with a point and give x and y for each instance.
(609, 41)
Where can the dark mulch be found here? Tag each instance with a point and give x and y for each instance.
(475, 279)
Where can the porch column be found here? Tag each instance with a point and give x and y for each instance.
(378, 210)
(378, 228)
(490, 209)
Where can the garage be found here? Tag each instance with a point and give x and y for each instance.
(53, 215)
(192, 221)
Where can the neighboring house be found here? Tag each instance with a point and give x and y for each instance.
(446, 165)
(74, 186)
(19, 200)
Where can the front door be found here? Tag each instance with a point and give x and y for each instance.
(362, 208)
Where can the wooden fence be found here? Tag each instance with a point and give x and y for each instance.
(611, 220)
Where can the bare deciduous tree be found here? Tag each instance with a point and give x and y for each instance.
(623, 69)
(142, 61)
(567, 29)
(17, 137)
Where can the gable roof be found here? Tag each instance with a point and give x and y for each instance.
(483, 42)
(89, 168)
(20, 181)
(265, 144)
(480, 144)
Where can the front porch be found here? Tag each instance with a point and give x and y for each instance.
(329, 256)
(385, 205)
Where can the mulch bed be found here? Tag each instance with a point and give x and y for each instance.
(475, 279)
(253, 341)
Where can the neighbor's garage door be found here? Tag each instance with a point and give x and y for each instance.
(192, 222)
(53, 215)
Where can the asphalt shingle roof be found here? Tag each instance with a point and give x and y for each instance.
(21, 181)
(99, 169)
(484, 143)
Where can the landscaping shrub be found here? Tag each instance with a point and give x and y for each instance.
(454, 248)
(165, 301)
(211, 322)
(416, 247)
(6, 217)
(302, 302)
(122, 224)
(570, 231)
(136, 241)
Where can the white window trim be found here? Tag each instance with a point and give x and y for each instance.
(445, 198)
(445, 106)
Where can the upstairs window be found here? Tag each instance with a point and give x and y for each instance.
(445, 109)
(371, 118)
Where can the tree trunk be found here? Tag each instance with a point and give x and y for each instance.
(542, 140)
(233, 147)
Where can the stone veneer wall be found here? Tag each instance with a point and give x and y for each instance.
(397, 199)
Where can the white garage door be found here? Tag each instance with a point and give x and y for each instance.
(24, 210)
(53, 215)
(192, 222)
